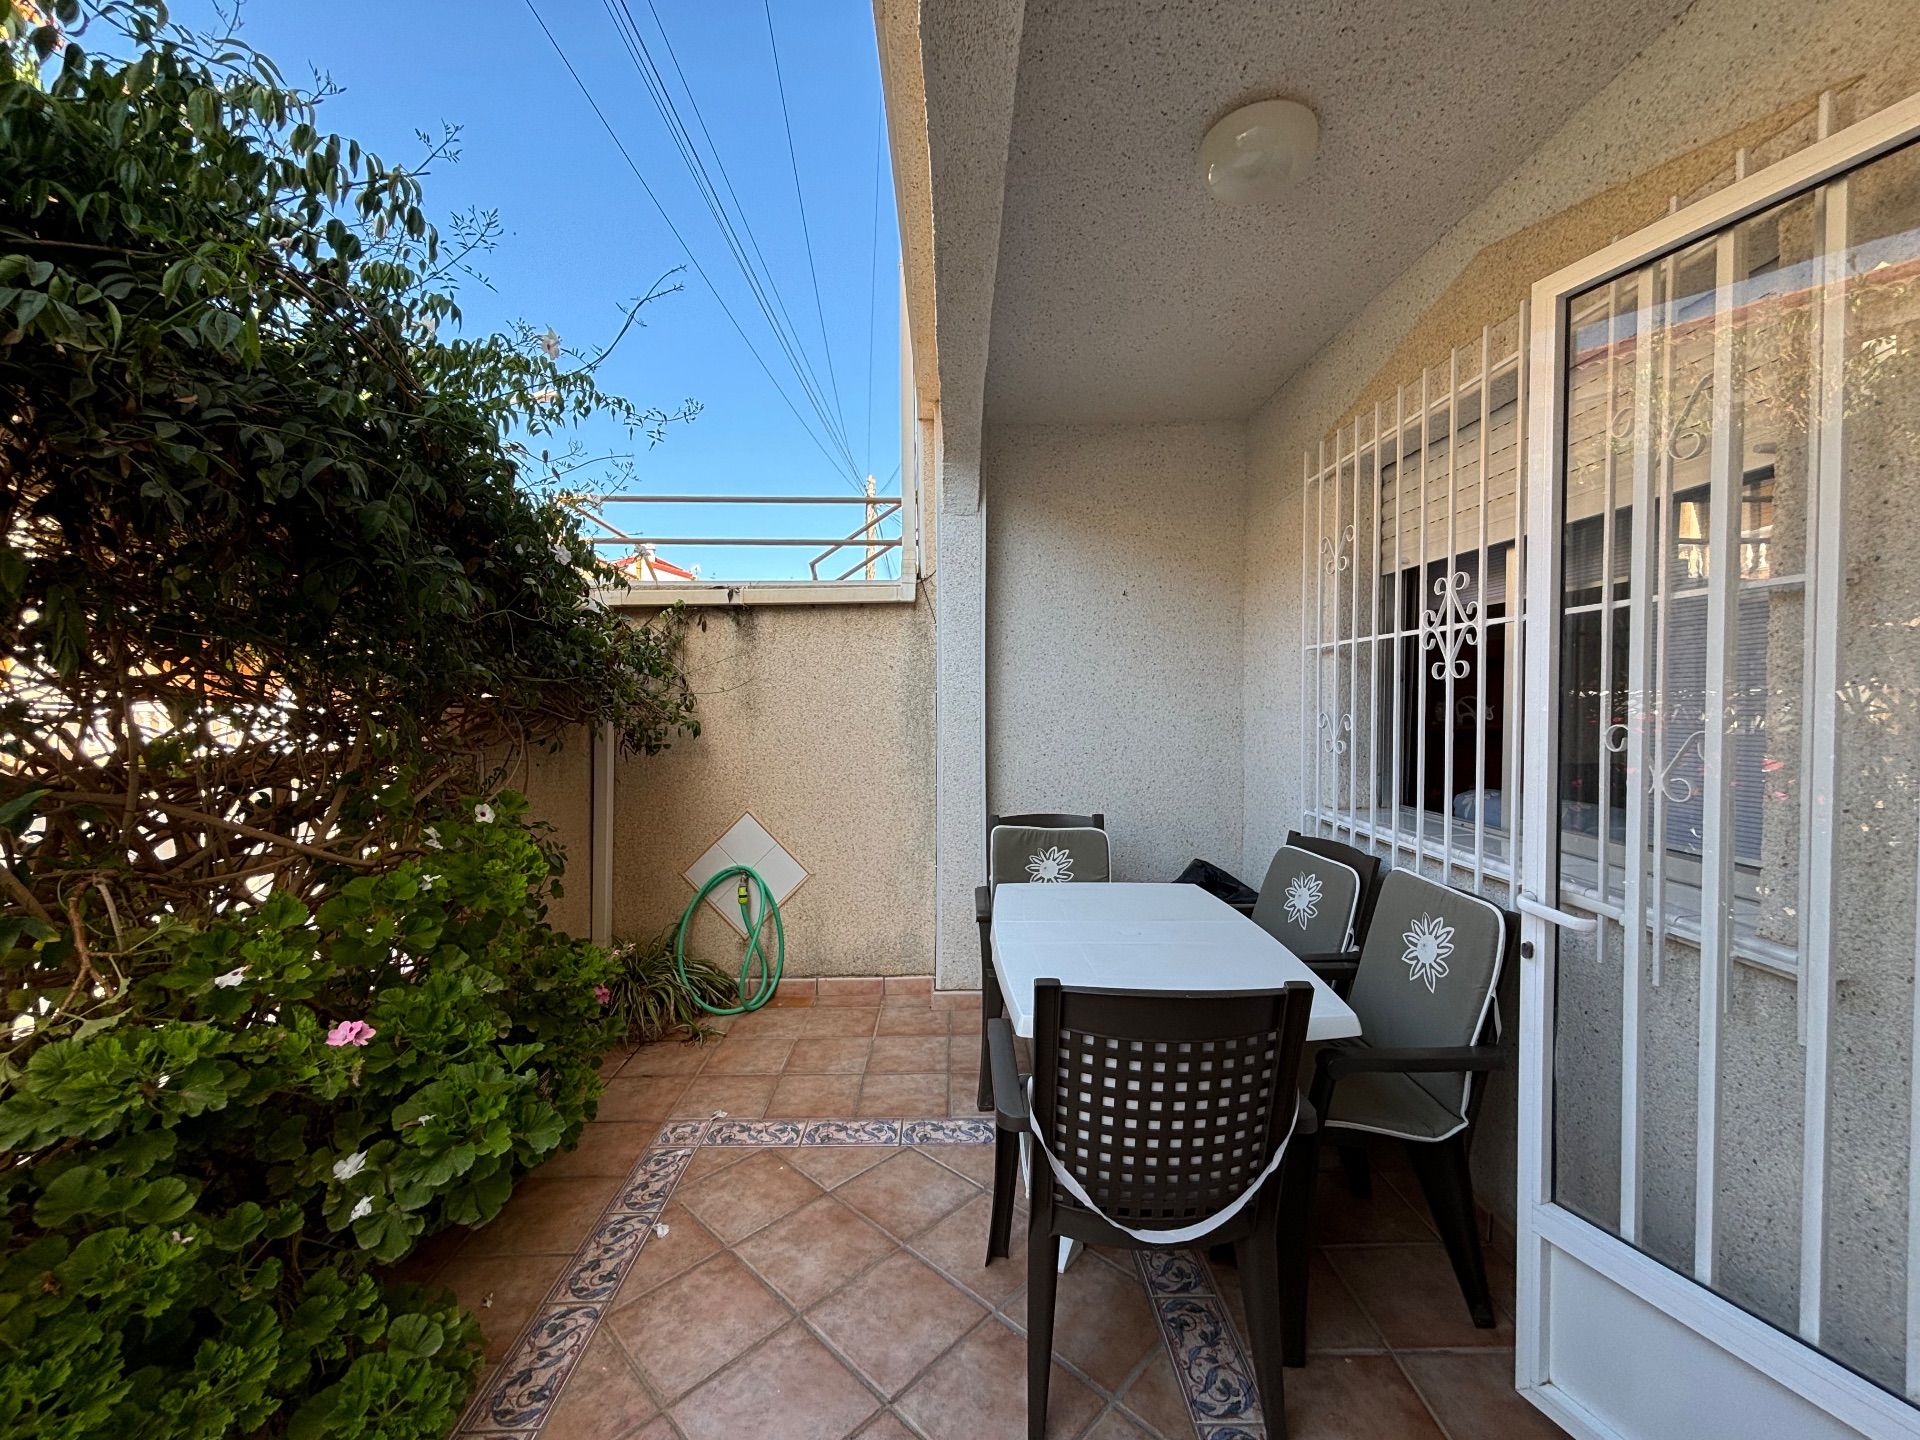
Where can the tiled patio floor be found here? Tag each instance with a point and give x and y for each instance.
(809, 1266)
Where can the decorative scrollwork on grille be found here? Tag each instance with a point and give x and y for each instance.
(1336, 551)
(1335, 733)
(1451, 626)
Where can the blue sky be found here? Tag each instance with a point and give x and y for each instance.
(581, 238)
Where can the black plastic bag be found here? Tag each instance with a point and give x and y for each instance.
(1215, 881)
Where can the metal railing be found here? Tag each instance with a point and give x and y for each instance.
(648, 567)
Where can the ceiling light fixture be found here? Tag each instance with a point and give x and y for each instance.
(1256, 153)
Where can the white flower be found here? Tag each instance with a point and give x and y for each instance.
(363, 1209)
(1303, 899)
(483, 814)
(1429, 943)
(233, 977)
(421, 1119)
(426, 883)
(1051, 866)
(161, 1083)
(430, 837)
(550, 342)
(23, 1025)
(180, 1237)
(351, 1166)
(99, 992)
(660, 1230)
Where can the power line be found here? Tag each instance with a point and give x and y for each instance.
(800, 198)
(674, 230)
(873, 271)
(759, 284)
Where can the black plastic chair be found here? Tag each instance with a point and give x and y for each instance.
(1363, 863)
(1425, 988)
(1165, 1107)
(1042, 824)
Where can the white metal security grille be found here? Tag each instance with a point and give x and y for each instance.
(1412, 637)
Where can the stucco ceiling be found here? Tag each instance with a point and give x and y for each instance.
(1125, 292)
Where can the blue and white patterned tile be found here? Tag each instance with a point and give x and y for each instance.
(652, 1180)
(600, 1267)
(682, 1132)
(853, 1132)
(1175, 1272)
(1207, 1359)
(529, 1381)
(947, 1132)
(754, 1132)
(1233, 1432)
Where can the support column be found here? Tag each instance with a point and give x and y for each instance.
(960, 730)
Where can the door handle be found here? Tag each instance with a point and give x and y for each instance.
(1565, 919)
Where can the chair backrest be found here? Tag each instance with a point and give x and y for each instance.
(1307, 902)
(1367, 866)
(1165, 1105)
(1428, 973)
(1046, 848)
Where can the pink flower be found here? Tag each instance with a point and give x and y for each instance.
(350, 1032)
(603, 994)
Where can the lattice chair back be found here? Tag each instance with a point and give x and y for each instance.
(1427, 974)
(1308, 902)
(1047, 849)
(1166, 1106)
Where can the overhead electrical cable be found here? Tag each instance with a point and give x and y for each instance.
(759, 281)
(873, 271)
(674, 230)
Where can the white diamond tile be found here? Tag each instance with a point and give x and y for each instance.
(746, 843)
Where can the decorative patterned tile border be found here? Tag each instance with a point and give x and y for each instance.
(1208, 1359)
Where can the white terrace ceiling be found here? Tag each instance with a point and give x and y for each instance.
(1125, 292)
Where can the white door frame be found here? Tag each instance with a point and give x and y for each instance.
(1553, 1240)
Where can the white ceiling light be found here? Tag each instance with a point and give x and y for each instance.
(1256, 153)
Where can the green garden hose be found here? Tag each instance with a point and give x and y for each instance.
(754, 992)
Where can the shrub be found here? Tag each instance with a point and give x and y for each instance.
(650, 999)
(278, 604)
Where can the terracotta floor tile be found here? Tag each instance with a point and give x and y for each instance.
(790, 1387)
(711, 1160)
(904, 1096)
(644, 1098)
(919, 1019)
(696, 1324)
(1102, 1323)
(1356, 1397)
(798, 990)
(772, 1020)
(917, 989)
(973, 1161)
(1155, 1397)
(661, 1428)
(502, 1292)
(602, 1398)
(669, 1057)
(1342, 1218)
(612, 1062)
(544, 1217)
(963, 1052)
(958, 1245)
(907, 1055)
(979, 1389)
(895, 1320)
(686, 1243)
(858, 990)
(963, 1097)
(815, 1250)
(813, 1097)
(742, 1097)
(1409, 1293)
(906, 1194)
(1114, 1425)
(607, 1147)
(832, 1165)
(831, 1055)
(1335, 1320)
(887, 1426)
(1474, 1395)
(957, 999)
(745, 1197)
(750, 1055)
(840, 1020)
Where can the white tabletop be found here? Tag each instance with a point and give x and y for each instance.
(1143, 937)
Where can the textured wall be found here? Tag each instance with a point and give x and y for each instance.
(558, 784)
(1113, 633)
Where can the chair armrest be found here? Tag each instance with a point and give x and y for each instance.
(983, 903)
(1009, 1095)
(1245, 907)
(1336, 1061)
(1336, 969)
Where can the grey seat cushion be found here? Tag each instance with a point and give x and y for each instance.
(1426, 979)
(1027, 854)
(1307, 902)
